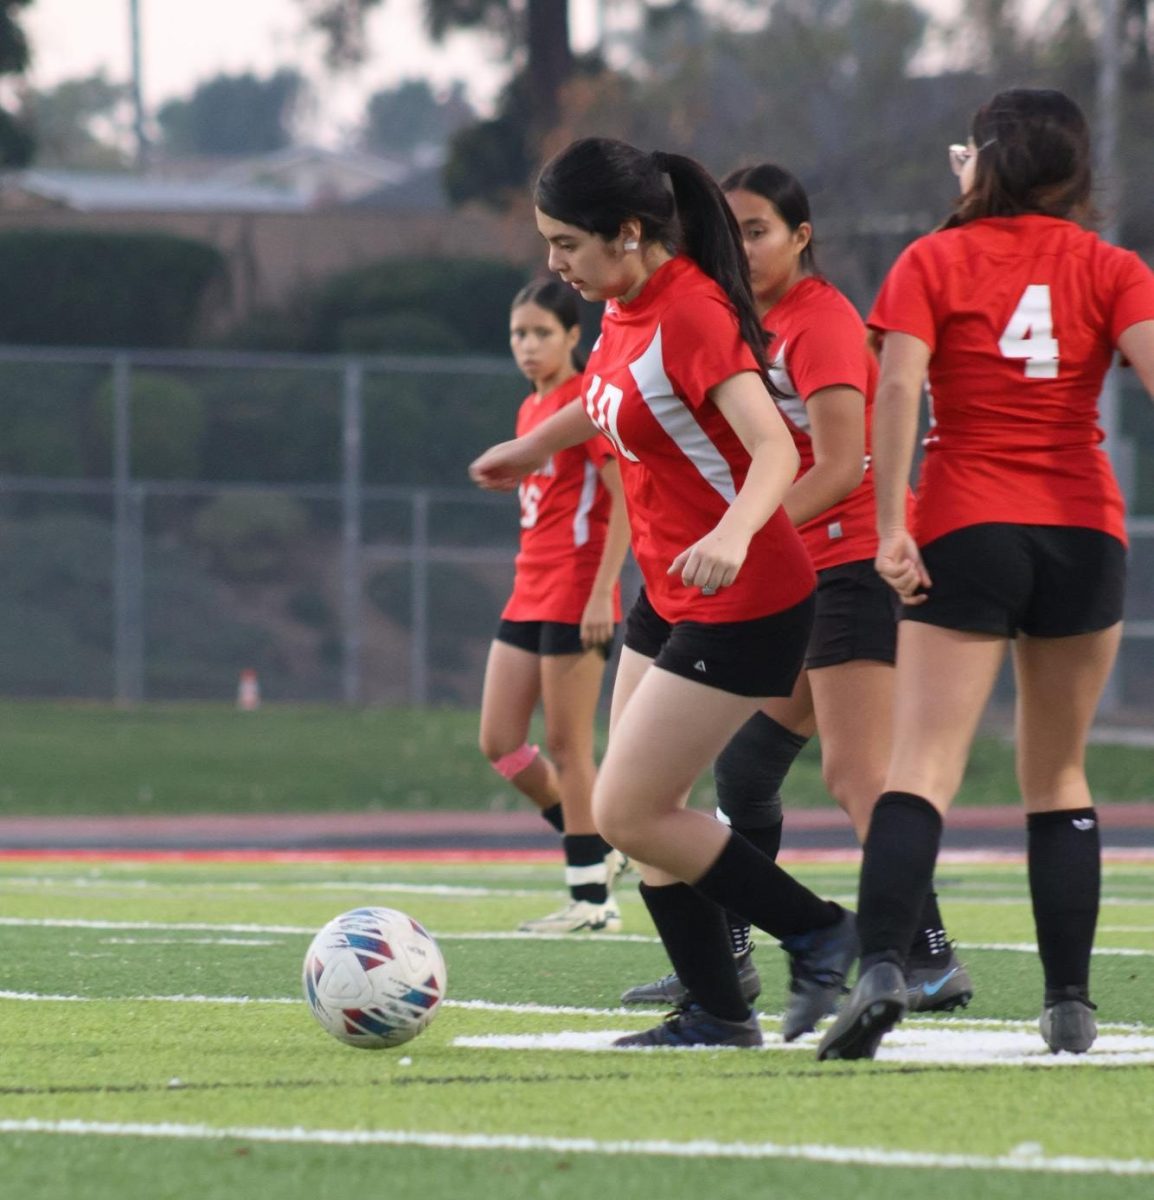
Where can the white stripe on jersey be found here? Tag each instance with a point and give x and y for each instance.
(791, 404)
(584, 505)
(677, 420)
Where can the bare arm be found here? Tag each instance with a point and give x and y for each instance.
(597, 619)
(904, 361)
(1137, 345)
(837, 430)
(502, 466)
(715, 559)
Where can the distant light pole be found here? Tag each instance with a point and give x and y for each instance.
(138, 115)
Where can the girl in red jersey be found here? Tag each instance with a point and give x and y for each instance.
(557, 629)
(676, 381)
(825, 377)
(1014, 310)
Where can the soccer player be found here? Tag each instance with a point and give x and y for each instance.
(677, 382)
(1014, 309)
(825, 377)
(557, 628)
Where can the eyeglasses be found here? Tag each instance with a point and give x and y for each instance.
(960, 155)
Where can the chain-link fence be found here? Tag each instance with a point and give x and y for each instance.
(168, 521)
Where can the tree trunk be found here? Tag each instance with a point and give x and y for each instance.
(550, 59)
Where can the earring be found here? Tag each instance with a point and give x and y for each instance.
(631, 245)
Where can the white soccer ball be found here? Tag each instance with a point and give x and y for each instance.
(374, 977)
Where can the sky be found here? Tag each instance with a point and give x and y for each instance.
(185, 42)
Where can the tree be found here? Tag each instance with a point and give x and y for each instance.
(80, 122)
(17, 144)
(399, 120)
(232, 115)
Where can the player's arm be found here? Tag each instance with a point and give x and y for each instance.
(904, 361)
(837, 430)
(501, 467)
(597, 619)
(714, 561)
(1137, 346)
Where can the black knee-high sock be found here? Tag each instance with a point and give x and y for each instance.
(693, 931)
(554, 815)
(768, 841)
(1064, 852)
(930, 940)
(745, 882)
(897, 869)
(585, 870)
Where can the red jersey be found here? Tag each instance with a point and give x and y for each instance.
(1022, 315)
(819, 341)
(564, 519)
(682, 465)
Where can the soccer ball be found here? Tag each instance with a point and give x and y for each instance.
(373, 977)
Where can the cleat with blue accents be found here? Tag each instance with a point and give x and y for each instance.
(819, 963)
(939, 987)
(693, 1026)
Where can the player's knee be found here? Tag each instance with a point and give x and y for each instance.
(510, 763)
(749, 772)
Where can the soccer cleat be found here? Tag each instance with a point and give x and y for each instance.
(616, 864)
(693, 1026)
(876, 1004)
(578, 916)
(1067, 1022)
(819, 963)
(939, 987)
(670, 990)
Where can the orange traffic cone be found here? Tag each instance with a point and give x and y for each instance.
(248, 691)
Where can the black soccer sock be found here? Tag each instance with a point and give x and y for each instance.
(692, 929)
(897, 870)
(586, 872)
(745, 882)
(748, 775)
(555, 816)
(1064, 852)
(930, 939)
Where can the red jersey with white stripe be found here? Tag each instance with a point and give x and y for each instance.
(819, 341)
(646, 388)
(564, 519)
(1022, 315)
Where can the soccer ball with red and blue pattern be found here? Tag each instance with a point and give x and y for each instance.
(374, 977)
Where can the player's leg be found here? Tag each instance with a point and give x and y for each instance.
(570, 690)
(509, 695)
(943, 681)
(1061, 665)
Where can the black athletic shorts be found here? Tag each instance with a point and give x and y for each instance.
(547, 637)
(856, 617)
(1040, 580)
(761, 657)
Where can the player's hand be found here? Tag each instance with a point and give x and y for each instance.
(899, 563)
(597, 622)
(503, 466)
(711, 563)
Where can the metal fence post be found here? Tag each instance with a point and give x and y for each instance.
(128, 539)
(419, 601)
(352, 425)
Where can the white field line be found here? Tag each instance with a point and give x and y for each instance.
(499, 936)
(358, 886)
(560, 1010)
(1024, 1158)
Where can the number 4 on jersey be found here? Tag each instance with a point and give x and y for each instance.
(1030, 334)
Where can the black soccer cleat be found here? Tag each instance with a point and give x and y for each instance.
(669, 990)
(819, 964)
(939, 986)
(876, 1004)
(1067, 1022)
(693, 1026)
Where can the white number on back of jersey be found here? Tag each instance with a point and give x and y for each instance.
(1030, 333)
(530, 496)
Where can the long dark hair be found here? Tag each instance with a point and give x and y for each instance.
(559, 299)
(597, 184)
(1033, 157)
(785, 192)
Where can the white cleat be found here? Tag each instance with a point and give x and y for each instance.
(578, 916)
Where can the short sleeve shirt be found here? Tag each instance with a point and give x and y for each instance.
(647, 388)
(564, 519)
(1022, 315)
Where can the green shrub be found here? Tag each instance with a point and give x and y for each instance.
(250, 536)
(103, 289)
(167, 423)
